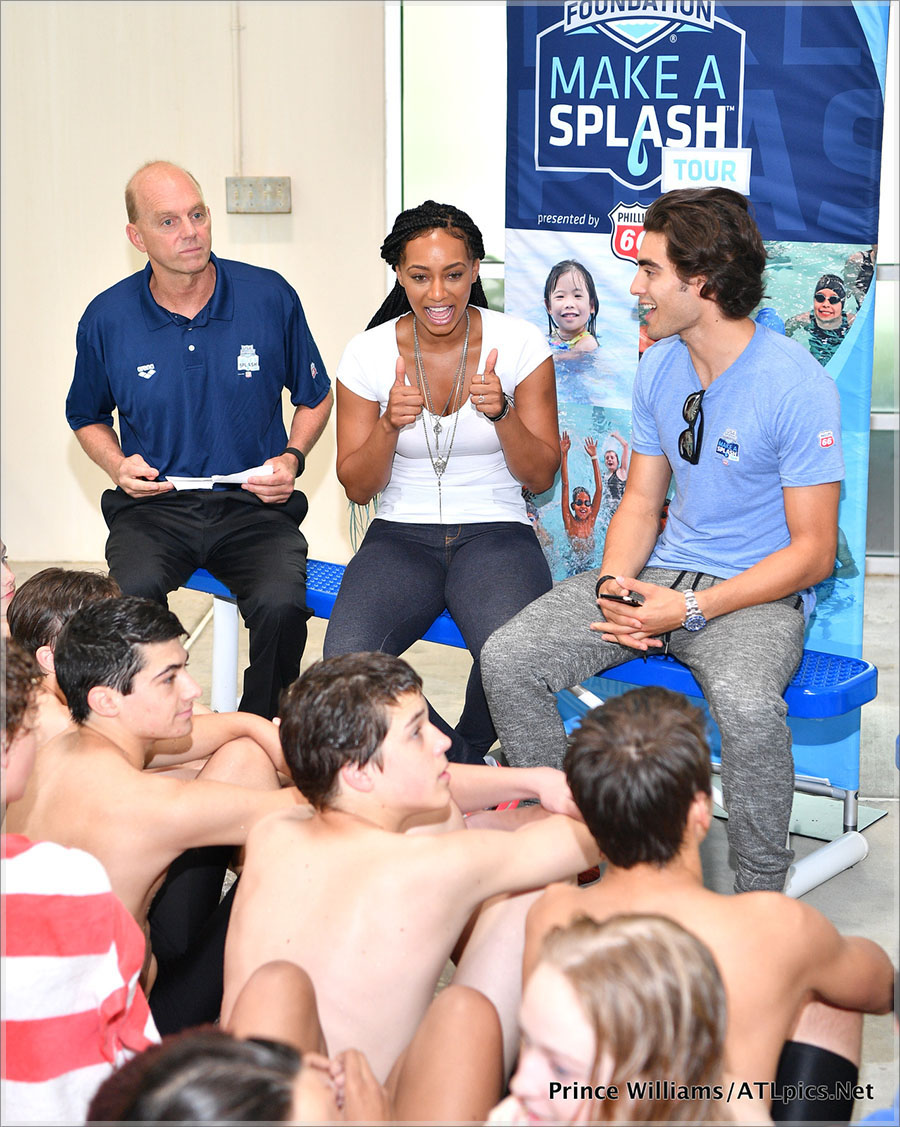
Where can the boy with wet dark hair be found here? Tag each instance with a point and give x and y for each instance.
(40, 609)
(640, 774)
(340, 715)
(104, 646)
(122, 667)
(72, 1006)
(637, 782)
(388, 906)
(344, 710)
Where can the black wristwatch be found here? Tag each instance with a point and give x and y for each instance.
(298, 454)
(504, 410)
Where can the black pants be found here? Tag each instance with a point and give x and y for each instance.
(257, 550)
(404, 575)
(188, 924)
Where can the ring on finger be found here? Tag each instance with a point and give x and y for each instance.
(481, 399)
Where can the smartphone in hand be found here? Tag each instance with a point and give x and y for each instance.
(632, 600)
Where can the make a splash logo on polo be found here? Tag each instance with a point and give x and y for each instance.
(617, 81)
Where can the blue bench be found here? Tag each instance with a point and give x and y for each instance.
(324, 579)
(825, 694)
(825, 685)
(322, 582)
(823, 698)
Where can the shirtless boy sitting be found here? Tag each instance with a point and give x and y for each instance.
(639, 771)
(374, 913)
(232, 747)
(39, 610)
(122, 668)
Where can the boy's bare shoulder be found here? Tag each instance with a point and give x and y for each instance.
(279, 827)
(751, 926)
(78, 746)
(743, 909)
(774, 912)
(557, 905)
(457, 856)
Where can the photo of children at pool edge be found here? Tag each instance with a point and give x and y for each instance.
(580, 514)
(570, 520)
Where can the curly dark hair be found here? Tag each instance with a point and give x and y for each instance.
(22, 677)
(337, 712)
(710, 231)
(416, 221)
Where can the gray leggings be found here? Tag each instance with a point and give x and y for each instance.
(743, 661)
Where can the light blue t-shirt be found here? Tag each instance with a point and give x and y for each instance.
(771, 421)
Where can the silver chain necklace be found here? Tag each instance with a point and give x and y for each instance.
(439, 458)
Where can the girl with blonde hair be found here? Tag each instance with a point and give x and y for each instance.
(621, 1022)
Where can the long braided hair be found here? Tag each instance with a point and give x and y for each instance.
(417, 221)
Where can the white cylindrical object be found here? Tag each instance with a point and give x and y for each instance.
(825, 862)
(587, 697)
(223, 694)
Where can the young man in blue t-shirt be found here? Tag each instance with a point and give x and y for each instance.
(748, 423)
(194, 352)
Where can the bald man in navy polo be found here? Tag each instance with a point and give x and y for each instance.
(194, 352)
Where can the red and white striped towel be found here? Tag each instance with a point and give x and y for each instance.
(73, 1008)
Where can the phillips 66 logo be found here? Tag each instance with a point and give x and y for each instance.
(627, 225)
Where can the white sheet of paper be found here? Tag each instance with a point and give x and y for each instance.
(224, 479)
(191, 482)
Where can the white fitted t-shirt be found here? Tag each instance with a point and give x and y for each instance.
(476, 486)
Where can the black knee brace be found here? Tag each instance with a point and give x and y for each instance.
(813, 1085)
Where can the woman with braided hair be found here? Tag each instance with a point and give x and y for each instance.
(445, 409)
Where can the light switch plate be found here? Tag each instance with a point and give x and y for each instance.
(254, 194)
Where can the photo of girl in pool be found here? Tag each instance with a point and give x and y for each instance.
(570, 299)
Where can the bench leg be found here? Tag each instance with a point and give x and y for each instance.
(825, 862)
(851, 810)
(223, 693)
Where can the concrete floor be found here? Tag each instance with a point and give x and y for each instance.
(862, 900)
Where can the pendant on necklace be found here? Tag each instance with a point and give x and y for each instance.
(440, 464)
(437, 429)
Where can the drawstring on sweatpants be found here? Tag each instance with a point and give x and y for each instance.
(668, 634)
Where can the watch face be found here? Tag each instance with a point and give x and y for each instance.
(694, 619)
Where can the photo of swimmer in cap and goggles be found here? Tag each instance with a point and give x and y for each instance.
(827, 323)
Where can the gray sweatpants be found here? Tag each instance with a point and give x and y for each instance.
(743, 661)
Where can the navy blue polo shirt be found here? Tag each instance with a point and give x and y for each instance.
(203, 396)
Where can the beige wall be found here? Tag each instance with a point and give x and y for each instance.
(92, 89)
